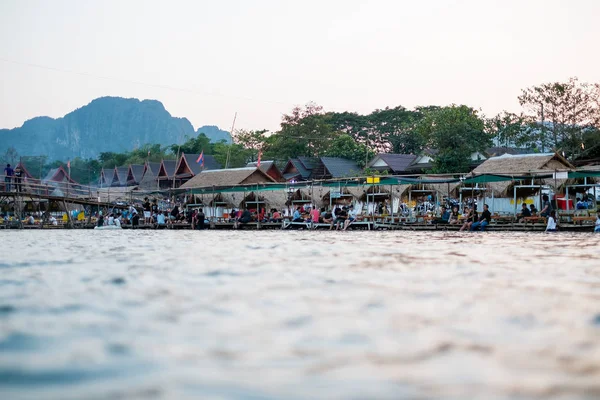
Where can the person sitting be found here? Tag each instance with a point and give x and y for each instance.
(111, 219)
(582, 204)
(326, 216)
(117, 221)
(444, 216)
(352, 213)
(297, 217)
(100, 221)
(199, 219)
(551, 226)
(524, 213)
(315, 215)
(52, 220)
(484, 219)
(275, 216)
(174, 214)
(30, 220)
(468, 216)
(161, 218)
(533, 210)
(341, 218)
(243, 219)
(453, 219)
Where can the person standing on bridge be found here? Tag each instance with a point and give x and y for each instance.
(8, 175)
(18, 175)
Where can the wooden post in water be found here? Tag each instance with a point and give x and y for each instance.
(214, 211)
(257, 208)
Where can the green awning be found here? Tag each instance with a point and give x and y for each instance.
(584, 174)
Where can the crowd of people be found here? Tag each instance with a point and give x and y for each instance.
(153, 214)
(339, 218)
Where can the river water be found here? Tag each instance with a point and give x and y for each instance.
(296, 315)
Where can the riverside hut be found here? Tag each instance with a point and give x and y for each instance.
(370, 196)
(166, 174)
(57, 182)
(106, 177)
(120, 176)
(299, 169)
(276, 199)
(392, 163)
(528, 173)
(335, 167)
(269, 168)
(188, 167)
(135, 174)
(336, 196)
(227, 177)
(149, 179)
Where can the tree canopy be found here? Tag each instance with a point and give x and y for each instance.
(570, 123)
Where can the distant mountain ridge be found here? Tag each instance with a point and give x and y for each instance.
(106, 124)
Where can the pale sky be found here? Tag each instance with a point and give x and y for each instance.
(205, 60)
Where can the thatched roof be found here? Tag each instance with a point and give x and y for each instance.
(227, 177)
(523, 164)
(520, 165)
(275, 198)
(115, 193)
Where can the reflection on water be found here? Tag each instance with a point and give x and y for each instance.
(261, 315)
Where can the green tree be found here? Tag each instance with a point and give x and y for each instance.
(393, 130)
(196, 145)
(569, 110)
(253, 141)
(238, 155)
(455, 132)
(345, 146)
(510, 130)
(304, 132)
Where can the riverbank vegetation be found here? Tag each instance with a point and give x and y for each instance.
(558, 116)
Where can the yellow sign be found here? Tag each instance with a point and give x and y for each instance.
(372, 179)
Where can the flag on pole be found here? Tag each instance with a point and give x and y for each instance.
(259, 157)
(200, 159)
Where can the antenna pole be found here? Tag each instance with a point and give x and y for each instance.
(229, 149)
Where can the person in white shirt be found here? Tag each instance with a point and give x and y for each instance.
(111, 219)
(597, 225)
(52, 220)
(351, 217)
(551, 227)
(117, 221)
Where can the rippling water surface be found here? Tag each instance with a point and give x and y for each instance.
(321, 315)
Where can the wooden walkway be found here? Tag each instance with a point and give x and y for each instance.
(363, 226)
